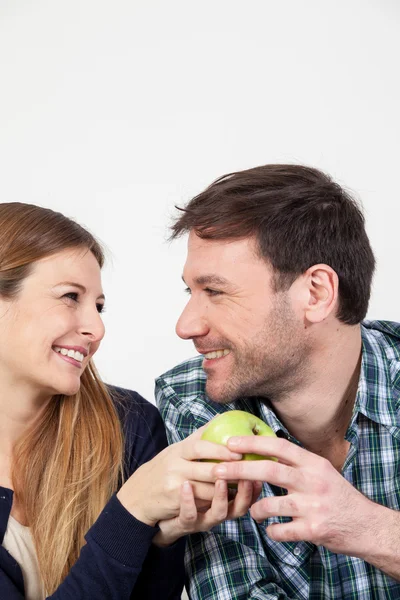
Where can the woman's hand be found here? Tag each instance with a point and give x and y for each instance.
(191, 520)
(153, 492)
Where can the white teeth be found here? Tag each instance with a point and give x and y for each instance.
(71, 353)
(217, 354)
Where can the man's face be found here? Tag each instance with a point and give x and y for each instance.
(253, 339)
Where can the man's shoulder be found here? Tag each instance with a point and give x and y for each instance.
(383, 337)
(182, 400)
(186, 380)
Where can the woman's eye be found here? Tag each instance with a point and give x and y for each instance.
(188, 291)
(72, 296)
(100, 308)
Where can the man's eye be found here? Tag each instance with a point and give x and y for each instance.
(72, 296)
(211, 292)
(188, 291)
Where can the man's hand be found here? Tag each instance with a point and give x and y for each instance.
(325, 508)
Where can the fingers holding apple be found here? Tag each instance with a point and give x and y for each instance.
(237, 423)
(205, 450)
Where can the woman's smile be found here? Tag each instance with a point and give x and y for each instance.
(71, 354)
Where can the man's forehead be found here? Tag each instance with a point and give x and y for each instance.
(229, 248)
(223, 262)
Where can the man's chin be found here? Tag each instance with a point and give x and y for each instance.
(219, 394)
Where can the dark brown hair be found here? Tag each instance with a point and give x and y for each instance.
(299, 217)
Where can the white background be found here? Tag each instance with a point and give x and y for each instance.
(112, 112)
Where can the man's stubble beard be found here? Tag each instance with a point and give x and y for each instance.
(272, 364)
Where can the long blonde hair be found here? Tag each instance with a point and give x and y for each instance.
(69, 463)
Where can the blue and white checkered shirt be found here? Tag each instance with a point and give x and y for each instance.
(237, 560)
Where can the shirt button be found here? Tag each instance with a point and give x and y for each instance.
(297, 551)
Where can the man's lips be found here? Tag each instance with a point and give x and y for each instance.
(215, 354)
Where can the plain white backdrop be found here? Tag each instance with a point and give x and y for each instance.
(112, 112)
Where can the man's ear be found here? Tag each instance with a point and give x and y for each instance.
(322, 285)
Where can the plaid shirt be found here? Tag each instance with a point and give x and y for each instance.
(237, 559)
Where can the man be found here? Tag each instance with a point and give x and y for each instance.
(279, 271)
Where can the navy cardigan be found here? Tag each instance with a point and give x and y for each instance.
(118, 561)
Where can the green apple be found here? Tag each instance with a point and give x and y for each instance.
(237, 423)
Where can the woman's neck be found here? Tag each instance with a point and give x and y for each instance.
(20, 407)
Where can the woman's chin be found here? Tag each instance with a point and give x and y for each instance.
(68, 389)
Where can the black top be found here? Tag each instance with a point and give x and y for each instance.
(118, 562)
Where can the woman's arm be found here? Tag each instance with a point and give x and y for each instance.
(162, 574)
(119, 561)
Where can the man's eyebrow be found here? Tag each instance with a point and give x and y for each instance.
(79, 286)
(210, 280)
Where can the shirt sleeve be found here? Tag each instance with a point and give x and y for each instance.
(217, 566)
(118, 561)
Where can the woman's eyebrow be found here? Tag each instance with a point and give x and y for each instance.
(79, 286)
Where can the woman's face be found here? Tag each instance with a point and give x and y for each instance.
(51, 329)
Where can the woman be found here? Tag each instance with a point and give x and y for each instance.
(68, 443)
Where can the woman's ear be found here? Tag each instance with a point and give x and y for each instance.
(322, 292)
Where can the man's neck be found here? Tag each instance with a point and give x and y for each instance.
(319, 413)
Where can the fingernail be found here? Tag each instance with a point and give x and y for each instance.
(220, 471)
(234, 441)
(186, 486)
(236, 456)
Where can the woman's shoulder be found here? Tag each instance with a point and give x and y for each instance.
(129, 403)
(142, 425)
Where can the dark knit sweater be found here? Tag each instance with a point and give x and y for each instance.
(118, 562)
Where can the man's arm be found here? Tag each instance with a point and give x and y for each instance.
(381, 540)
(325, 508)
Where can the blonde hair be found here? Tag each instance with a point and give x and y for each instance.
(70, 463)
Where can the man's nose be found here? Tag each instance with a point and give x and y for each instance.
(192, 323)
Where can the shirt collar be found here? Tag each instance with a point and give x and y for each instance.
(378, 393)
(261, 408)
